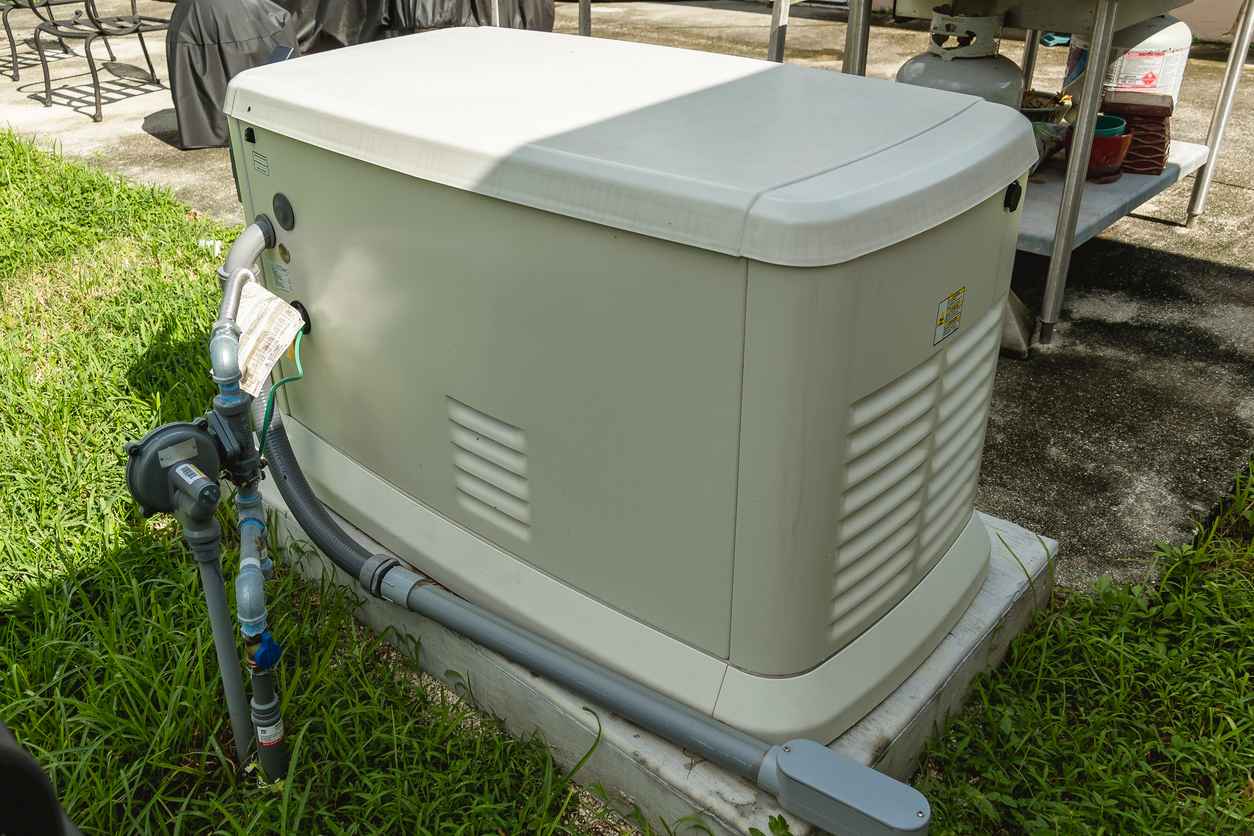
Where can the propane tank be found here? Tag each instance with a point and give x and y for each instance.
(1147, 57)
(964, 56)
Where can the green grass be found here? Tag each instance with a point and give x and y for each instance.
(109, 675)
(1128, 710)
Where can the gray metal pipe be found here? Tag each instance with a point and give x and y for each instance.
(585, 17)
(779, 30)
(208, 558)
(246, 249)
(1031, 45)
(1223, 110)
(1077, 166)
(271, 740)
(224, 350)
(231, 293)
(250, 595)
(235, 272)
(857, 37)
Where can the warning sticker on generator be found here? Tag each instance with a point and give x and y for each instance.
(949, 314)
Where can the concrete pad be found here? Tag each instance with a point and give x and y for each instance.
(642, 772)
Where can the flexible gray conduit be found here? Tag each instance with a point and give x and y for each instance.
(696, 732)
(306, 507)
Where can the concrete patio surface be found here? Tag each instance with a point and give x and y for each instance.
(1128, 427)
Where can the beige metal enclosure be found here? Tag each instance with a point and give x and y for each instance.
(600, 344)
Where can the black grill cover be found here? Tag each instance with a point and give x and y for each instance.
(327, 24)
(208, 43)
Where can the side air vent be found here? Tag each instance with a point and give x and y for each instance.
(490, 469)
(910, 476)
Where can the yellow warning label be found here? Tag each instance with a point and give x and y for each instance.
(949, 314)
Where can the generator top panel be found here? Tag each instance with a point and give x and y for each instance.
(778, 163)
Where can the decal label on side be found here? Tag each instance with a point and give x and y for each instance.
(949, 314)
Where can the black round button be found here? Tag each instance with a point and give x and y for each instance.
(283, 212)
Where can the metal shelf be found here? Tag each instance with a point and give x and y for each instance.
(1102, 204)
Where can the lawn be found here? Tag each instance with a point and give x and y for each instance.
(1129, 709)
(109, 672)
(1124, 710)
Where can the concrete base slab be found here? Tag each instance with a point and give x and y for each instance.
(641, 772)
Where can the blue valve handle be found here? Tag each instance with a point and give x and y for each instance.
(267, 653)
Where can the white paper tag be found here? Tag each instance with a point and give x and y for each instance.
(267, 327)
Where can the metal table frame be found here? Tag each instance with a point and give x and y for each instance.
(1104, 18)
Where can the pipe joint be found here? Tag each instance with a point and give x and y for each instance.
(250, 507)
(250, 598)
(387, 578)
(263, 651)
(372, 571)
(248, 247)
(224, 356)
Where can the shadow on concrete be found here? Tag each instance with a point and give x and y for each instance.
(28, 59)
(1132, 424)
(127, 82)
(1156, 275)
(163, 125)
(1153, 220)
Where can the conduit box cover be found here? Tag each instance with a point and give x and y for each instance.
(681, 359)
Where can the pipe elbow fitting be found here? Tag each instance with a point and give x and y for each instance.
(256, 237)
(250, 600)
(224, 353)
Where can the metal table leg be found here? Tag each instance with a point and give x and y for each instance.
(1077, 165)
(779, 30)
(1031, 43)
(857, 36)
(585, 17)
(1223, 109)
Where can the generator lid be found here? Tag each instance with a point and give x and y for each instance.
(779, 163)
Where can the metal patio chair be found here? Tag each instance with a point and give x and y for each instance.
(88, 25)
(8, 7)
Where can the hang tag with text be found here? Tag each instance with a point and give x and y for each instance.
(267, 327)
